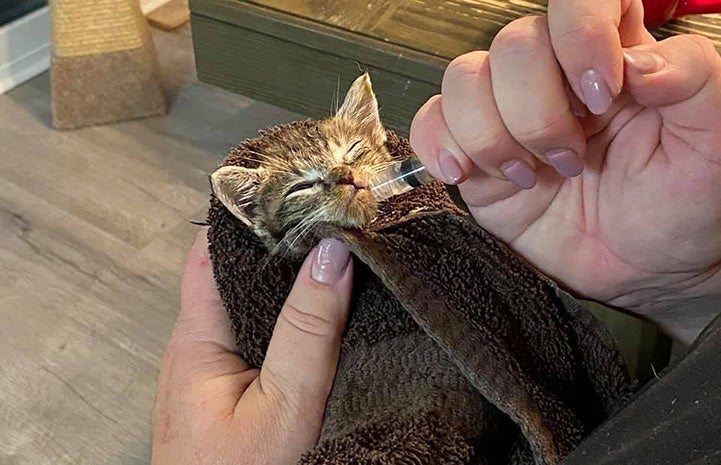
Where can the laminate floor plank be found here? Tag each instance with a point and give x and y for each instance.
(95, 230)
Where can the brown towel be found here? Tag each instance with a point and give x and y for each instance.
(457, 351)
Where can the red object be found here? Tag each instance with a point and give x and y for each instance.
(657, 12)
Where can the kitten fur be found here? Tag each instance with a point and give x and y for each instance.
(310, 174)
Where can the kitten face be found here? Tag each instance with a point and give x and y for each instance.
(311, 175)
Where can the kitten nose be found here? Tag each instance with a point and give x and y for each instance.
(340, 175)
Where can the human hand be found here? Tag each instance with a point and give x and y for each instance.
(212, 408)
(639, 227)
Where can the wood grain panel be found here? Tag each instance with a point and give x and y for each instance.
(442, 28)
(293, 53)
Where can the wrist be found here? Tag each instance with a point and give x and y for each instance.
(684, 317)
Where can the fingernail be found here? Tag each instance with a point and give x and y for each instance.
(566, 162)
(519, 173)
(331, 260)
(201, 236)
(644, 62)
(450, 168)
(595, 92)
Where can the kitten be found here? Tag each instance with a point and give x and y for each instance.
(311, 176)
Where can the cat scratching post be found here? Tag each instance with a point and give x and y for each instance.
(104, 67)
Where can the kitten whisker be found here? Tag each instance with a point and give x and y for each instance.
(377, 168)
(300, 231)
(303, 226)
(268, 158)
(293, 232)
(337, 97)
(274, 169)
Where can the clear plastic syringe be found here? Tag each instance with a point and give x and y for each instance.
(400, 177)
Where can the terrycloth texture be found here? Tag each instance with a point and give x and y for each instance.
(456, 352)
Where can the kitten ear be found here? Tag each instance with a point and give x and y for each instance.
(236, 188)
(361, 105)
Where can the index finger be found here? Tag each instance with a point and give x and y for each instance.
(587, 39)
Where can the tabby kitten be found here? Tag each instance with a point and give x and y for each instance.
(310, 176)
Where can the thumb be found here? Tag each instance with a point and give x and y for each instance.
(681, 76)
(202, 322)
(302, 355)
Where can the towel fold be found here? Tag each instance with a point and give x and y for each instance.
(457, 351)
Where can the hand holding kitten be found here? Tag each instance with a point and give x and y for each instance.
(212, 407)
(594, 151)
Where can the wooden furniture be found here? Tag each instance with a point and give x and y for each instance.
(296, 53)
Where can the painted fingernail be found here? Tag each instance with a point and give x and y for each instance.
(566, 162)
(450, 168)
(644, 62)
(519, 173)
(595, 92)
(201, 236)
(331, 261)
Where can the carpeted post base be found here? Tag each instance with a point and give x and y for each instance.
(104, 68)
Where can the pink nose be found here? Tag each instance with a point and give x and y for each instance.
(342, 175)
(349, 181)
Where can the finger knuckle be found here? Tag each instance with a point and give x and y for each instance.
(467, 67)
(543, 129)
(308, 322)
(425, 125)
(585, 29)
(278, 389)
(289, 397)
(521, 34)
(704, 46)
(487, 146)
(425, 115)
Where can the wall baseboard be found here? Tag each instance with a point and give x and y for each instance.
(24, 48)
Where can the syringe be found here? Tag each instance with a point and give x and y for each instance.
(400, 177)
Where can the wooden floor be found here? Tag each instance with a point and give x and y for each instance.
(94, 230)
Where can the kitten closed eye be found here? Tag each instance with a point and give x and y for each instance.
(296, 177)
(355, 144)
(301, 186)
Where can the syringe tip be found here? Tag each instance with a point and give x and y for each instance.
(400, 177)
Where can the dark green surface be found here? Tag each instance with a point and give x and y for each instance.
(644, 348)
(674, 420)
(297, 77)
(10, 10)
(299, 64)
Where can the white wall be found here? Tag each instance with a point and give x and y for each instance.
(25, 45)
(24, 48)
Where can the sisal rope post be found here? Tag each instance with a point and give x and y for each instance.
(104, 66)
